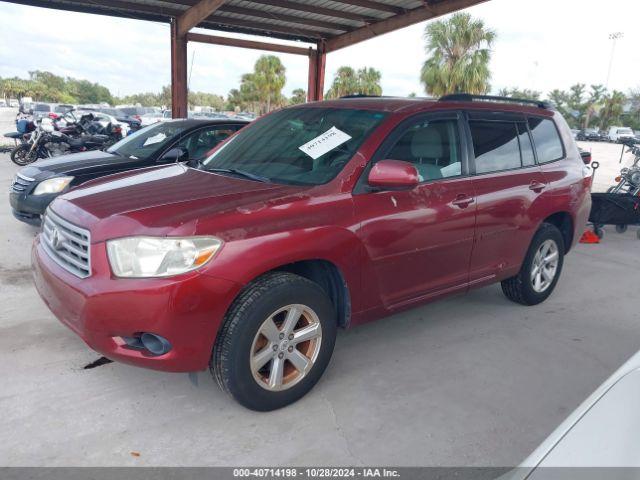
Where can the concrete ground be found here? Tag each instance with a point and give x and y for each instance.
(473, 380)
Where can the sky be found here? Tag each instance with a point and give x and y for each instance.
(541, 45)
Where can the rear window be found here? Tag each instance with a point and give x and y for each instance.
(496, 146)
(41, 107)
(546, 140)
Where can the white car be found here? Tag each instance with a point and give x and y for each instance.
(154, 117)
(604, 431)
(621, 134)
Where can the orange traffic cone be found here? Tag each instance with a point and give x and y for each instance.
(589, 237)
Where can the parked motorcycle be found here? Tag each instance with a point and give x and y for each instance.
(629, 178)
(46, 142)
(24, 126)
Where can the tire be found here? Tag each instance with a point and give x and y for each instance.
(240, 341)
(523, 288)
(599, 231)
(20, 155)
(621, 228)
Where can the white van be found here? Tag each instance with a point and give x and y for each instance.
(620, 134)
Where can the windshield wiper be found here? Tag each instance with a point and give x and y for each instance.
(241, 173)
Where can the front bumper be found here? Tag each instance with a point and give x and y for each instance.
(187, 310)
(29, 208)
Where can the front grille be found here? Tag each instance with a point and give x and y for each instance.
(67, 244)
(21, 183)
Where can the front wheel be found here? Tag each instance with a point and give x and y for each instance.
(540, 270)
(276, 341)
(22, 155)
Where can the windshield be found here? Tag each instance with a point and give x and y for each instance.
(625, 131)
(146, 142)
(299, 146)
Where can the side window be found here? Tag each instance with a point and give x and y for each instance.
(526, 148)
(202, 141)
(546, 140)
(433, 147)
(496, 146)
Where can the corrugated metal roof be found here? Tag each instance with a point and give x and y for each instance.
(304, 20)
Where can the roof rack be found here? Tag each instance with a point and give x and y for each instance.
(360, 95)
(467, 97)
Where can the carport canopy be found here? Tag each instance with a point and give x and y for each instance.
(323, 25)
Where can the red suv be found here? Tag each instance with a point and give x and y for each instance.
(315, 217)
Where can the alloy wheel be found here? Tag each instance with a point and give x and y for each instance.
(285, 347)
(545, 266)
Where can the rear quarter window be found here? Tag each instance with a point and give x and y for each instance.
(546, 140)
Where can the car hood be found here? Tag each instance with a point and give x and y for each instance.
(78, 164)
(165, 200)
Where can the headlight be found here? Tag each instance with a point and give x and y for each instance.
(53, 185)
(138, 257)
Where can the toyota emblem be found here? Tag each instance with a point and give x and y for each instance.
(56, 241)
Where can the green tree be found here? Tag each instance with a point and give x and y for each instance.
(594, 103)
(613, 109)
(345, 82)
(459, 52)
(369, 81)
(269, 78)
(298, 96)
(524, 94)
(366, 81)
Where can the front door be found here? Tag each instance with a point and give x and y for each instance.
(419, 241)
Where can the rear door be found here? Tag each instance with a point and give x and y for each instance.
(419, 241)
(508, 185)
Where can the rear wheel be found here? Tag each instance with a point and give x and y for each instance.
(276, 341)
(22, 156)
(540, 270)
(621, 228)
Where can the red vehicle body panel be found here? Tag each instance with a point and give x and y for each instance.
(394, 249)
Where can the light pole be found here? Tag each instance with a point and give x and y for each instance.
(613, 36)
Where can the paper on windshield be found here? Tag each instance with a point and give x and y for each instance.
(324, 143)
(155, 139)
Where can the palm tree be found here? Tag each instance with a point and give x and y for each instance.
(269, 79)
(524, 94)
(459, 52)
(298, 96)
(369, 80)
(345, 82)
(613, 109)
(594, 102)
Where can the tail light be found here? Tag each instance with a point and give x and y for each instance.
(618, 179)
(53, 116)
(137, 117)
(586, 157)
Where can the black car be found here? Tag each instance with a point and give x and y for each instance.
(590, 135)
(36, 185)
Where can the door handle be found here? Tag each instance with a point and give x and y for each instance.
(463, 201)
(537, 186)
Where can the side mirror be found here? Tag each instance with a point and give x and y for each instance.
(586, 157)
(174, 155)
(393, 175)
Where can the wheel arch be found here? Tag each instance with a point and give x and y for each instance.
(328, 276)
(564, 222)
